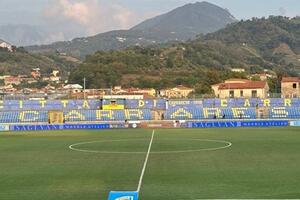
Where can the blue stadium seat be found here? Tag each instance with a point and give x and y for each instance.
(107, 115)
(284, 113)
(23, 116)
(182, 113)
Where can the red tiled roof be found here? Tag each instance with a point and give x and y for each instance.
(290, 79)
(12, 79)
(137, 90)
(181, 87)
(248, 85)
(130, 93)
(148, 96)
(238, 79)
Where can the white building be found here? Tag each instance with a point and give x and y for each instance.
(74, 88)
(238, 70)
(6, 45)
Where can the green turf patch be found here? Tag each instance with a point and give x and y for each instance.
(261, 163)
(113, 146)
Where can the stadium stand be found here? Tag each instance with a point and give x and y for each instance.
(29, 111)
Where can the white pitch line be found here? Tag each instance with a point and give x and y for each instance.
(243, 199)
(73, 147)
(145, 163)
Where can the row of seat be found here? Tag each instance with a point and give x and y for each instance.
(210, 113)
(23, 116)
(252, 102)
(157, 104)
(76, 115)
(174, 113)
(107, 115)
(283, 112)
(15, 105)
(231, 113)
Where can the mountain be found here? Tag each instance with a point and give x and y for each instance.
(188, 21)
(4, 43)
(180, 24)
(254, 45)
(23, 35)
(80, 47)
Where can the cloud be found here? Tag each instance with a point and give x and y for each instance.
(287, 12)
(91, 16)
(282, 11)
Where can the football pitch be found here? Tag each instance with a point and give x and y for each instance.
(183, 164)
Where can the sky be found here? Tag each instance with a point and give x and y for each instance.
(89, 17)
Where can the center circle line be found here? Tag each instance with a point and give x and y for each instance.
(73, 146)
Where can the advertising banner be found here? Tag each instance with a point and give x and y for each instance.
(232, 124)
(61, 127)
(186, 103)
(35, 127)
(4, 128)
(213, 124)
(267, 123)
(123, 195)
(86, 126)
(295, 123)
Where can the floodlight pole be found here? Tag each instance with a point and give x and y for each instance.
(84, 86)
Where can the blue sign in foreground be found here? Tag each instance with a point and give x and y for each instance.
(214, 124)
(114, 195)
(295, 123)
(4, 128)
(265, 123)
(86, 126)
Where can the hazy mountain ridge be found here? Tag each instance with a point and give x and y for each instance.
(22, 35)
(189, 20)
(180, 24)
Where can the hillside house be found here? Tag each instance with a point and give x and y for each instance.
(290, 87)
(6, 45)
(177, 92)
(241, 88)
(12, 80)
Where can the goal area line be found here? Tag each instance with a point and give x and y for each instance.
(133, 195)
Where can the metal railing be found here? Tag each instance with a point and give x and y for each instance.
(64, 95)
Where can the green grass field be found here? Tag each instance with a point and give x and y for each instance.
(261, 163)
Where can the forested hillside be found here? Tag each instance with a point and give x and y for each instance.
(190, 64)
(255, 45)
(276, 39)
(21, 62)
